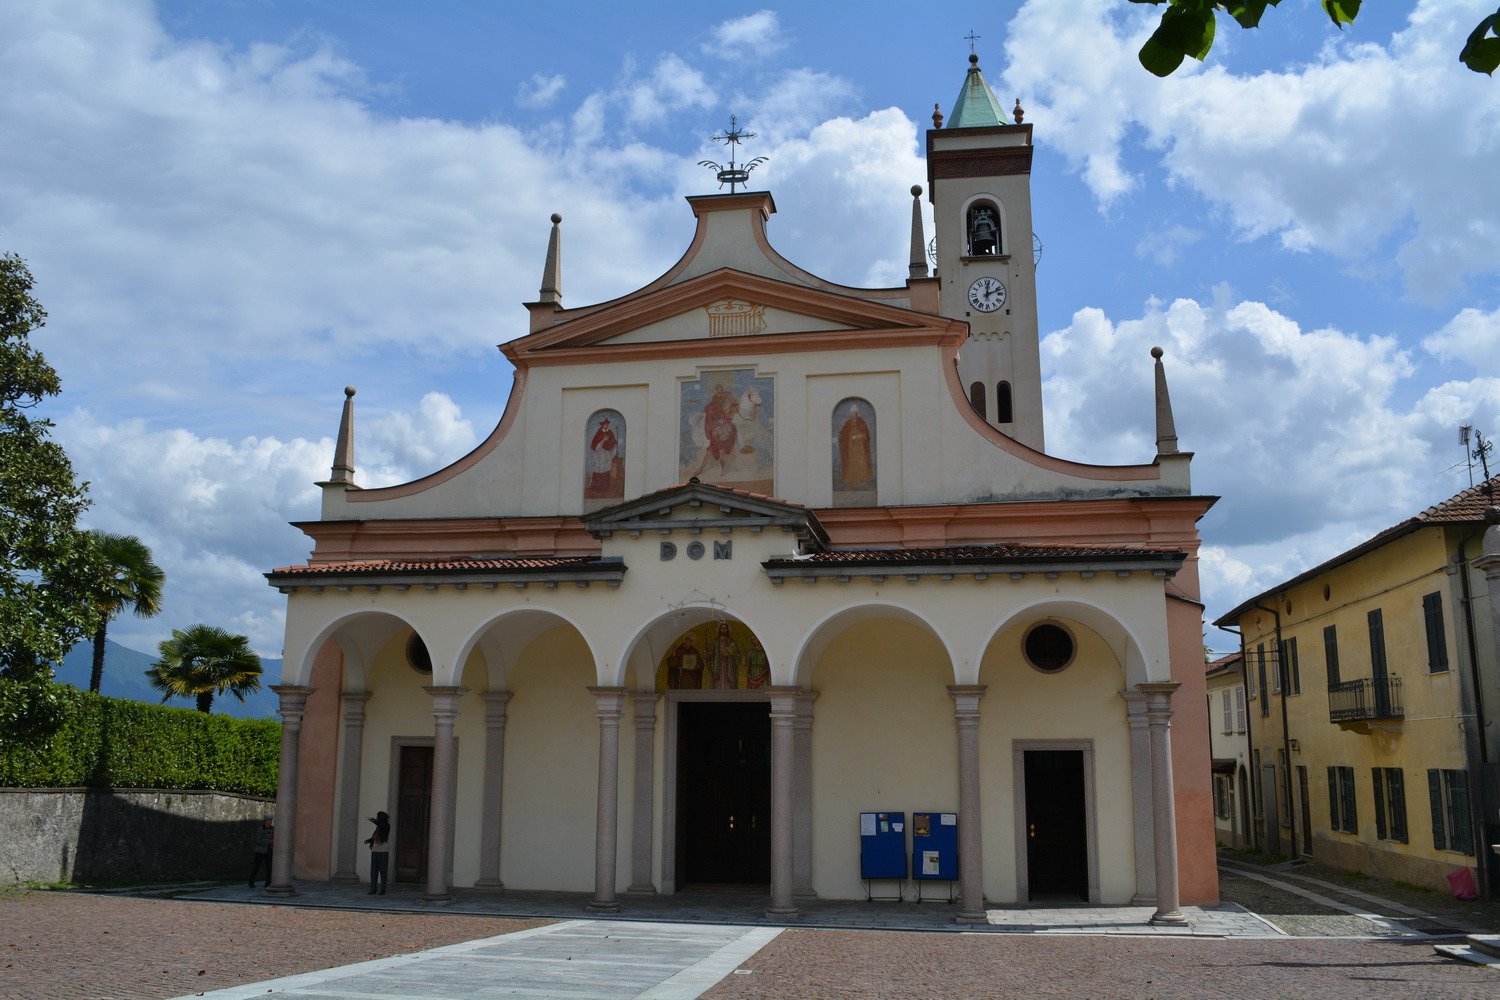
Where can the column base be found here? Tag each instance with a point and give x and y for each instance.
(435, 897)
(489, 883)
(971, 917)
(1143, 899)
(608, 906)
(346, 877)
(783, 912)
(1170, 918)
(646, 889)
(804, 895)
(279, 890)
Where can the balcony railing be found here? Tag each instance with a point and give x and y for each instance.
(1365, 699)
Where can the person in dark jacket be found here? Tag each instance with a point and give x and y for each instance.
(264, 835)
(380, 852)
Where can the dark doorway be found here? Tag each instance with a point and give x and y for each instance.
(413, 809)
(1057, 858)
(724, 793)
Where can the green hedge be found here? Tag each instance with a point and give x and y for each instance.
(112, 742)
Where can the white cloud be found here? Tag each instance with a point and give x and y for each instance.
(1165, 247)
(1364, 145)
(541, 90)
(214, 512)
(672, 87)
(754, 36)
(1472, 337)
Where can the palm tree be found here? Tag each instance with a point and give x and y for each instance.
(134, 582)
(203, 661)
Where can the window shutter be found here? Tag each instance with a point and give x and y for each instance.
(1396, 796)
(1351, 818)
(1260, 669)
(1377, 780)
(1295, 666)
(1239, 710)
(1333, 799)
(1437, 643)
(1331, 654)
(1435, 794)
(1228, 718)
(1459, 834)
(1377, 644)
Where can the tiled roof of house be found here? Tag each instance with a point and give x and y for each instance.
(1221, 663)
(960, 554)
(446, 565)
(1464, 507)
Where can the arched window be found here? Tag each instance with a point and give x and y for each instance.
(853, 453)
(1003, 412)
(982, 230)
(976, 400)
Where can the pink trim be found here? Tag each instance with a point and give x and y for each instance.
(1113, 473)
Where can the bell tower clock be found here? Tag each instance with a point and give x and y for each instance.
(979, 179)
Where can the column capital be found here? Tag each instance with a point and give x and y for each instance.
(445, 700)
(353, 705)
(644, 703)
(293, 700)
(1158, 699)
(966, 700)
(608, 701)
(783, 699)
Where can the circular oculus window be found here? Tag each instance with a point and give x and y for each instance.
(1049, 647)
(417, 656)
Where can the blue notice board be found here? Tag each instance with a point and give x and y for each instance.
(882, 845)
(934, 845)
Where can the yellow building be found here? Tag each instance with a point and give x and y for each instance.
(1373, 693)
(1229, 748)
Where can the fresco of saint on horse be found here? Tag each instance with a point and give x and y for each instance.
(727, 422)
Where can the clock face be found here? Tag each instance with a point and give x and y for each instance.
(987, 294)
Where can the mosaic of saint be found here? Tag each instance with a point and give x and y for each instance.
(727, 422)
(853, 454)
(714, 656)
(604, 460)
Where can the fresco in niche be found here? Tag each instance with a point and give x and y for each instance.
(853, 454)
(727, 422)
(604, 460)
(714, 656)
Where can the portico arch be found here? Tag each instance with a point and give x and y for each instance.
(642, 652)
(1120, 637)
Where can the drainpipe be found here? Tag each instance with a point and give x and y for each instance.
(1286, 732)
(1254, 779)
(1478, 785)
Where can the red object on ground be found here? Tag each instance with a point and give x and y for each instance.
(1461, 881)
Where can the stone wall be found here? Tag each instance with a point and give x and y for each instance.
(119, 835)
(1359, 857)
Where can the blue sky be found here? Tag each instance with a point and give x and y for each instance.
(233, 209)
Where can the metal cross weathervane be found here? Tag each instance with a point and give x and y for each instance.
(734, 174)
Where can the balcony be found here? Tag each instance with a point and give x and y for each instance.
(1365, 700)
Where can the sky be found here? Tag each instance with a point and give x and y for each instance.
(232, 209)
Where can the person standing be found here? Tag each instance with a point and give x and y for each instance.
(380, 853)
(264, 835)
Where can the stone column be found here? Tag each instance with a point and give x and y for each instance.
(783, 724)
(802, 828)
(494, 778)
(643, 806)
(1140, 799)
(445, 702)
(608, 702)
(1164, 811)
(970, 844)
(293, 704)
(346, 829)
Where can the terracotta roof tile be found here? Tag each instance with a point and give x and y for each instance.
(1223, 661)
(980, 554)
(447, 565)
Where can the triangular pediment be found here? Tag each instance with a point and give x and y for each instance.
(702, 505)
(730, 305)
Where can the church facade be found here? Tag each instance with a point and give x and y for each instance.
(749, 554)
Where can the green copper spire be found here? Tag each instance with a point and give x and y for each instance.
(976, 105)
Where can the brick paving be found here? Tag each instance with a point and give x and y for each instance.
(80, 946)
(867, 965)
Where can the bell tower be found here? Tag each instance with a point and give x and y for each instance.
(979, 179)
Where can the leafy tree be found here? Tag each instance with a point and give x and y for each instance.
(203, 661)
(48, 567)
(133, 581)
(1187, 29)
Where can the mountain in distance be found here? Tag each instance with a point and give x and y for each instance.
(125, 677)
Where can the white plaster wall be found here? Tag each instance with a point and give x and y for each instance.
(883, 740)
(1080, 702)
(551, 768)
(397, 707)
